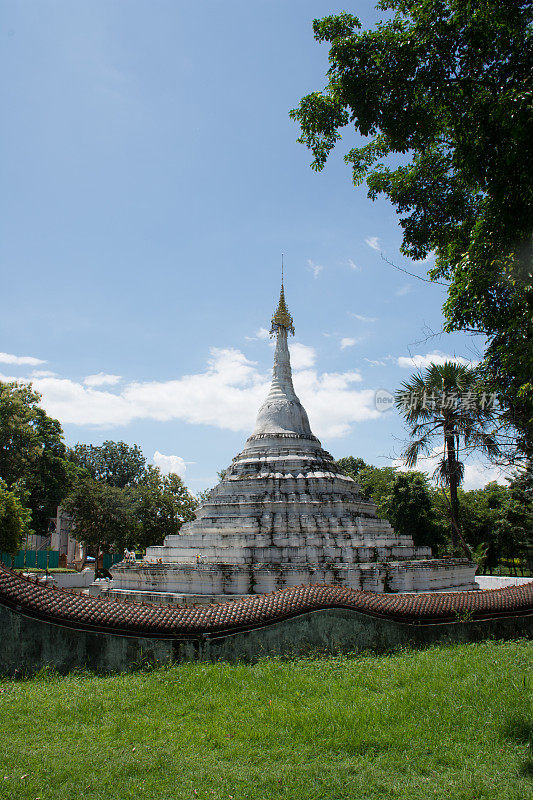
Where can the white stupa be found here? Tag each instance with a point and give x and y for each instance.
(284, 515)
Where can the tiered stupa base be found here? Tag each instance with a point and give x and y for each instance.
(284, 516)
(219, 582)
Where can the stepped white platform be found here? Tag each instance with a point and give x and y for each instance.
(283, 516)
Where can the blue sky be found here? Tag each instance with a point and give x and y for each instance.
(152, 180)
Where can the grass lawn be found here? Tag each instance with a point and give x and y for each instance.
(447, 722)
(41, 571)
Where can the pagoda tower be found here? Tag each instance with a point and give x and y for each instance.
(284, 515)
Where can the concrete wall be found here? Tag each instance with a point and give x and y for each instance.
(69, 580)
(497, 582)
(27, 645)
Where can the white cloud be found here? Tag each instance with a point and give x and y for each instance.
(7, 358)
(226, 395)
(102, 379)
(436, 357)
(302, 356)
(362, 318)
(347, 342)
(262, 333)
(75, 404)
(403, 290)
(168, 464)
(42, 373)
(332, 403)
(476, 475)
(316, 269)
(374, 243)
(381, 362)
(353, 265)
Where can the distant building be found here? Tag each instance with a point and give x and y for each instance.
(60, 538)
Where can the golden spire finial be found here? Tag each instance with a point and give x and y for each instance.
(282, 317)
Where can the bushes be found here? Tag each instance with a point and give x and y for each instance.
(15, 519)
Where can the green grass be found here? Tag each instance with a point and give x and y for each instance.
(447, 722)
(42, 571)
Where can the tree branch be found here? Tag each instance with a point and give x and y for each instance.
(412, 274)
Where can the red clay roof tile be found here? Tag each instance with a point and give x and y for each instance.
(116, 616)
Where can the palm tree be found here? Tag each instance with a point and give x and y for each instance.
(446, 403)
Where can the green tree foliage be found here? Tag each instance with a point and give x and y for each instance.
(405, 499)
(515, 526)
(445, 87)
(351, 466)
(410, 509)
(20, 447)
(32, 452)
(375, 483)
(52, 476)
(110, 518)
(203, 496)
(163, 504)
(115, 463)
(444, 407)
(104, 516)
(15, 519)
(497, 521)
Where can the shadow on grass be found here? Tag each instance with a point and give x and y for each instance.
(520, 729)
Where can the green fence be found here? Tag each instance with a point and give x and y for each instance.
(37, 558)
(34, 558)
(111, 558)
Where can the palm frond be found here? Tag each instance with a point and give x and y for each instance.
(412, 452)
(485, 441)
(442, 474)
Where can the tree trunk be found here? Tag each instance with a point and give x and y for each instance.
(454, 473)
(454, 483)
(96, 573)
